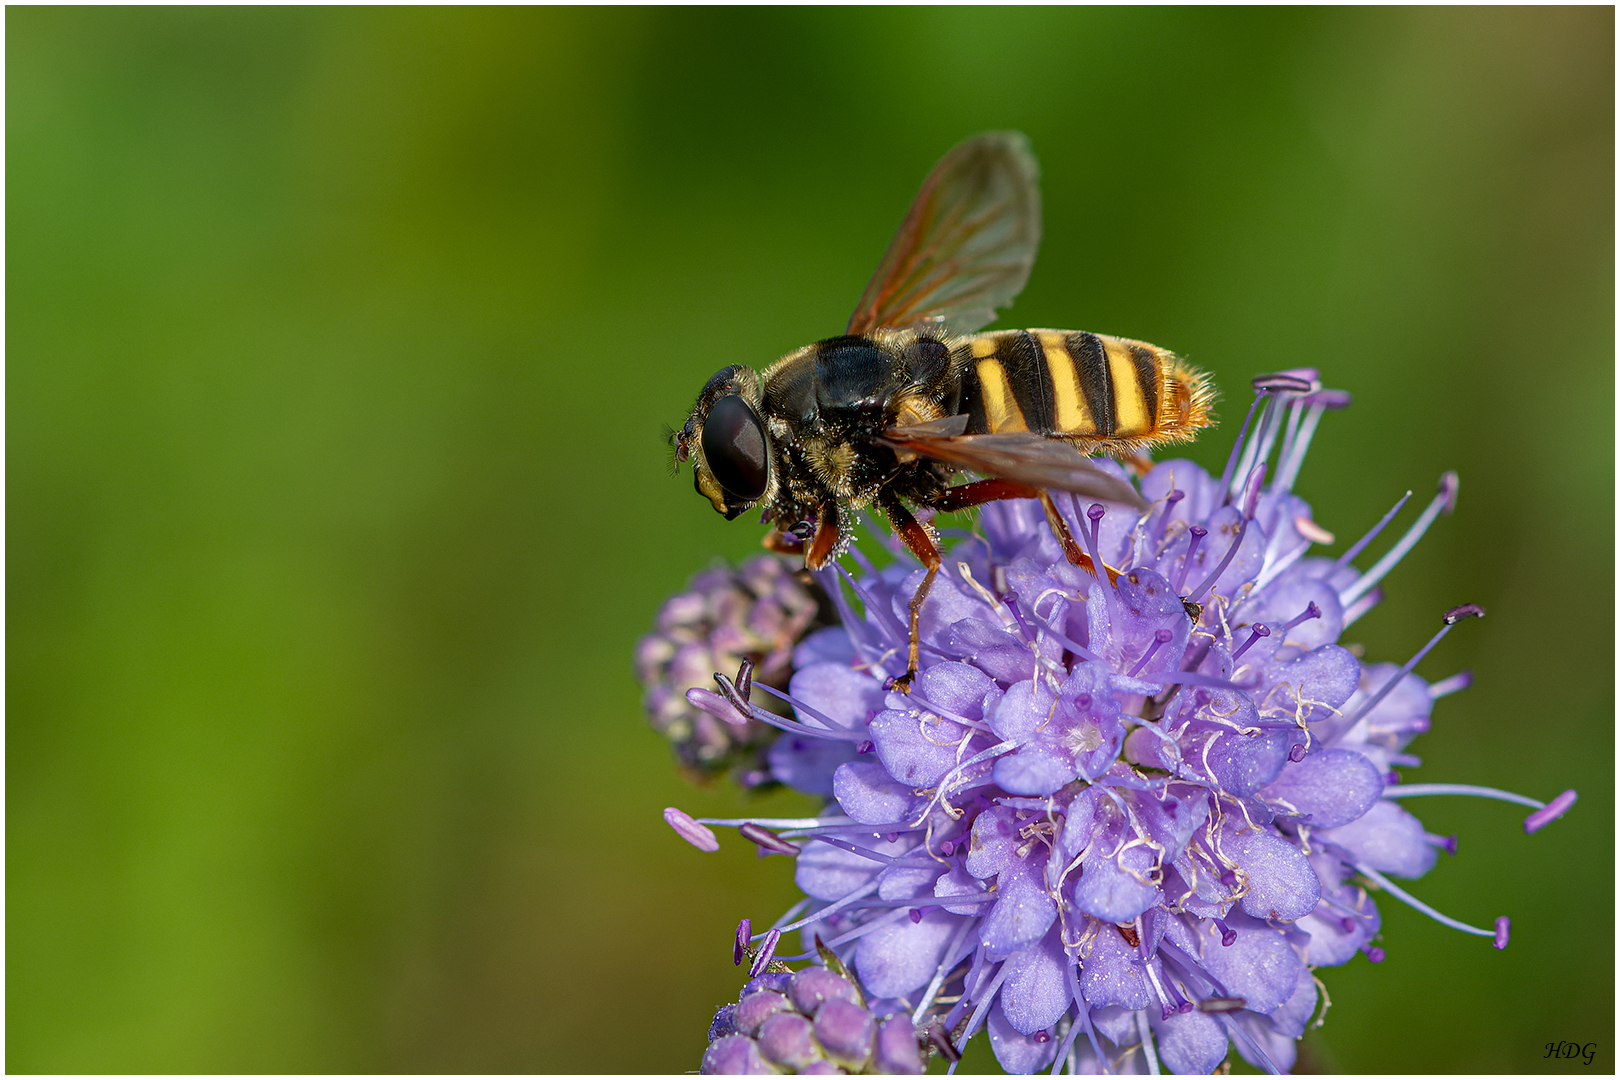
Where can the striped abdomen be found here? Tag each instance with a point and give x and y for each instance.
(1105, 392)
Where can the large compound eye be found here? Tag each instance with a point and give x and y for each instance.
(734, 447)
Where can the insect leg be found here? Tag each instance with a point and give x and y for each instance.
(783, 543)
(922, 545)
(983, 491)
(826, 538)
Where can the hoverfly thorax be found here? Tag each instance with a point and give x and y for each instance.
(728, 442)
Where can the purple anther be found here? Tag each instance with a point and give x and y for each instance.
(1375, 955)
(1330, 399)
(1258, 631)
(767, 952)
(1095, 513)
(1551, 812)
(1311, 612)
(865, 746)
(1042, 1036)
(915, 915)
(1228, 935)
(1463, 611)
(733, 695)
(1170, 501)
(1197, 532)
(1349, 924)
(1222, 1004)
(891, 837)
(1160, 638)
(1296, 753)
(739, 948)
(767, 840)
(699, 836)
(1448, 844)
(1279, 382)
(1391, 778)
(1449, 485)
(948, 848)
(1503, 926)
(745, 679)
(715, 705)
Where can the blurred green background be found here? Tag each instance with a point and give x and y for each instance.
(339, 343)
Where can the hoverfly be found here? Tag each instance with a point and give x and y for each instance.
(911, 394)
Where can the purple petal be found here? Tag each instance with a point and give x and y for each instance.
(1024, 708)
(955, 687)
(1033, 769)
(1111, 975)
(1036, 993)
(995, 838)
(867, 793)
(1244, 763)
(807, 764)
(1018, 1053)
(1110, 886)
(908, 882)
(846, 696)
(1386, 838)
(900, 957)
(1116, 1024)
(1024, 911)
(1327, 676)
(830, 644)
(1335, 787)
(991, 649)
(831, 873)
(1189, 1042)
(916, 750)
(1259, 967)
(958, 882)
(1282, 884)
(1292, 1015)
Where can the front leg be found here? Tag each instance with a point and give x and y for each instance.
(916, 537)
(980, 492)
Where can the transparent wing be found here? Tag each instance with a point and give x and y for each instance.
(967, 244)
(1020, 456)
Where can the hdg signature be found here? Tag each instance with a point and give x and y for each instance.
(1563, 1049)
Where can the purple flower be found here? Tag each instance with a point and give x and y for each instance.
(757, 612)
(1119, 820)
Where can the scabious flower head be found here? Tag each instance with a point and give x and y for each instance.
(1119, 820)
(757, 612)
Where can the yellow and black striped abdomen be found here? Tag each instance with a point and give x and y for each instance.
(1104, 392)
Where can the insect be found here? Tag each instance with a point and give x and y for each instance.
(912, 394)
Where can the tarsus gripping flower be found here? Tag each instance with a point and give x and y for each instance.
(1117, 823)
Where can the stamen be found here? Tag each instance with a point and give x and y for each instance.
(1095, 513)
(1160, 638)
(1364, 605)
(1197, 532)
(1446, 843)
(1460, 681)
(1237, 447)
(1361, 545)
(1042, 1036)
(1443, 503)
(1170, 501)
(1143, 1029)
(699, 836)
(1451, 618)
(942, 1042)
(1228, 935)
(739, 948)
(803, 708)
(717, 706)
(1251, 496)
(1311, 612)
(1503, 926)
(1296, 753)
(1500, 933)
(767, 841)
(1375, 954)
(767, 952)
(1222, 1004)
(1259, 631)
(1550, 813)
(1310, 530)
(1292, 455)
